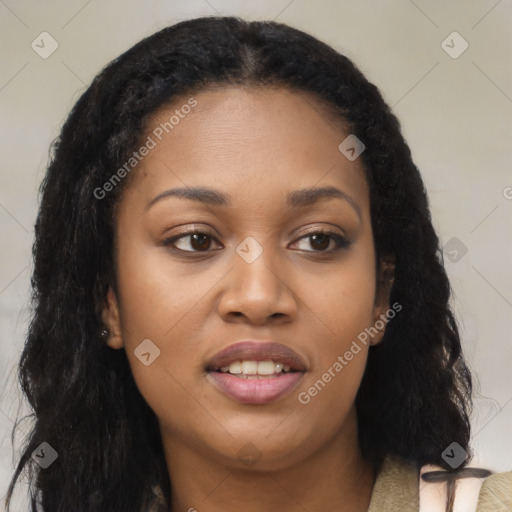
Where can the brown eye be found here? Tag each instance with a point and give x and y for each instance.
(200, 241)
(197, 241)
(320, 241)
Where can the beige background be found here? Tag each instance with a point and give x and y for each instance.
(456, 115)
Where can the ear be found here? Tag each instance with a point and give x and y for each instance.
(110, 317)
(385, 278)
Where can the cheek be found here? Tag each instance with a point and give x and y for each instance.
(341, 309)
(158, 303)
(156, 296)
(341, 298)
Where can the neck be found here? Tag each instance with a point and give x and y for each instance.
(333, 478)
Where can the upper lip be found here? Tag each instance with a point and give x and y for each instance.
(256, 351)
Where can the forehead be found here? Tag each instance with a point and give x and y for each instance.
(249, 141)
(247, 114)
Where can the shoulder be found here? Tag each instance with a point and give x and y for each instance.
(472, 489)
(496, 493)
(396, 487)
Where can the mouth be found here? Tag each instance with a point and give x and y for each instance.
(256, 372)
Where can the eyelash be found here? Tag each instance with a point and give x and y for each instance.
(340, 241)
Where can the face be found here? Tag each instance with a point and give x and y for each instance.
(262, 256)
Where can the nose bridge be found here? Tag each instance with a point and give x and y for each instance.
(255, 266)
(255, 288)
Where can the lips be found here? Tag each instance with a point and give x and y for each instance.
(257, 351)
(258, 390)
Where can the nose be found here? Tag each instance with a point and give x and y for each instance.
(258, 292)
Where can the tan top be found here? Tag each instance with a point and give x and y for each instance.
(397, 488)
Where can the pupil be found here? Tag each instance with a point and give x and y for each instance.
(201, 238)
(323, 238)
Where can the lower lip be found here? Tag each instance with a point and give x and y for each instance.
(255, 391)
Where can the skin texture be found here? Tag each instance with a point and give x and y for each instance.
(255, 145)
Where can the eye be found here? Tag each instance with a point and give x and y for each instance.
(198, 240)
(320, 241)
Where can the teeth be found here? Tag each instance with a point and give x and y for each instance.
(235, 367)
(266, 368)
(251, 369)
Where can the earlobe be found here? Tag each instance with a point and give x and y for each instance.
(379, 326)
(110, 316)
(385, 280)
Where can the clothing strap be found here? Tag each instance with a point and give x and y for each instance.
(434, 494)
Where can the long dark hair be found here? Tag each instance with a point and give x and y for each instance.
(415, 396)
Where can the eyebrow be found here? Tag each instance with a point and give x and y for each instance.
(296, 199)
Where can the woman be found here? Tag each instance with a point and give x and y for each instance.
(308, 358)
